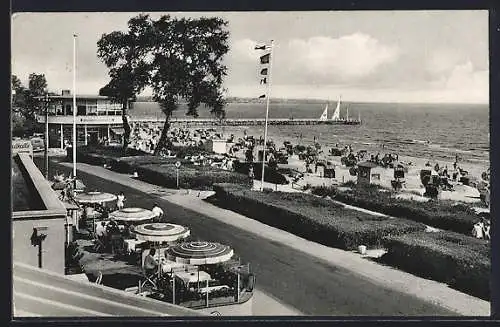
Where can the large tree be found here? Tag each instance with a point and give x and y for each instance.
(123, 54)
(180, 59)
(25, 104)
(24, 100)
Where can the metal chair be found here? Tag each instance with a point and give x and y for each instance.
(98, 281)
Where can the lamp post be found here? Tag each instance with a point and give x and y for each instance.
(46, 101)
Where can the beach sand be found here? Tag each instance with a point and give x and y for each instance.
(413, 188)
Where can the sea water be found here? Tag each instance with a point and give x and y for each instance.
(435, 131)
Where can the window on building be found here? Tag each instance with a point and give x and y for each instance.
(81, 110)
(69, 111)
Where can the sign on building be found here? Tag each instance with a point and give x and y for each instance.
(23, 146)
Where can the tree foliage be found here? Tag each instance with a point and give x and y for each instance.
(25, 104)
(24, 100)
(178, 58)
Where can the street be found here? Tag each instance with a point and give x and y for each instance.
(306, 283)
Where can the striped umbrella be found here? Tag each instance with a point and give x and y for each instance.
(199, 253)
(94, 197)
(160, 232)
(132, 214)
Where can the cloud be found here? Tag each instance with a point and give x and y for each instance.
(443, 61)
(465, 81)
(347, 58)
(243, 51)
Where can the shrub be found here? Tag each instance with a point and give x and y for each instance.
(130, 164)
(190, 176)
(461, 261)
(440, 214)
(184, 151)
(270, 175)
(313, 218)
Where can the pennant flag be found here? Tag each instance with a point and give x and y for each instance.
(260, 47)
(263, 81)
(262, 96)
(265, 59)
(263, 71)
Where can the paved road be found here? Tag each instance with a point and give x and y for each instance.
(308, 284)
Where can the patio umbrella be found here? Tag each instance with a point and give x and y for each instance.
(199, 253)
(161, 232)
(132, 214)
(94, 197)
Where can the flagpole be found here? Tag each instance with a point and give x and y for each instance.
(268, 96)
(74, 107)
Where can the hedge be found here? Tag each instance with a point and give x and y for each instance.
(313, 218)
(270, 175)
(100, 155)
(441, 214)
(129, 164)
(460, 261)
(190, 176)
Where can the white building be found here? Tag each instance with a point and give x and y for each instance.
(97, 118)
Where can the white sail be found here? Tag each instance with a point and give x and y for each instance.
(336, 113)
(324, 115)
(347, 114)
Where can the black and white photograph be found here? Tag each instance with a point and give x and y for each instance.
(250, 163)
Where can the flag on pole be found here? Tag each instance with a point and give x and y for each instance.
(260, 47)
(265, 58)
(262, 96)
(263, 81)
(263, 71)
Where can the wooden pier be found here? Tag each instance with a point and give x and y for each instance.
(245, 121)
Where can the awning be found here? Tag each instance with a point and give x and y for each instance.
(118, 131)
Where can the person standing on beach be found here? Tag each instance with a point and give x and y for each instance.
(120, 201)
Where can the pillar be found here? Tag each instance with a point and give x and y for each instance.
(109, 135)
(62, 136)
(85, 127)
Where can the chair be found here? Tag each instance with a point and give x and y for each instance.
(98, 281)
(147, 279)
(98, 244)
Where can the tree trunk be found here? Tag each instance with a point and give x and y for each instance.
(163, 138)
(126, 128)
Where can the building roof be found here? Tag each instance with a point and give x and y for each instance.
(367, 164)
(41, 293)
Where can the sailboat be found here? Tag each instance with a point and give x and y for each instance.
(336, 119)
(324, 115)
(336, 113)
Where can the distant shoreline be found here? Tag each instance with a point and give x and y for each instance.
(236, 100)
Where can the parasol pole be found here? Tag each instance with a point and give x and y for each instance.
(173, 288)
(238, 289)
(159, 258)
(207, 291)
(74, 107)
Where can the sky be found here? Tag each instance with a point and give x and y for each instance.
(365, 56)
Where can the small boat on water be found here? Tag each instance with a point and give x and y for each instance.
(336, 119)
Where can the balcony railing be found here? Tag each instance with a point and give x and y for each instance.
(109, 119)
